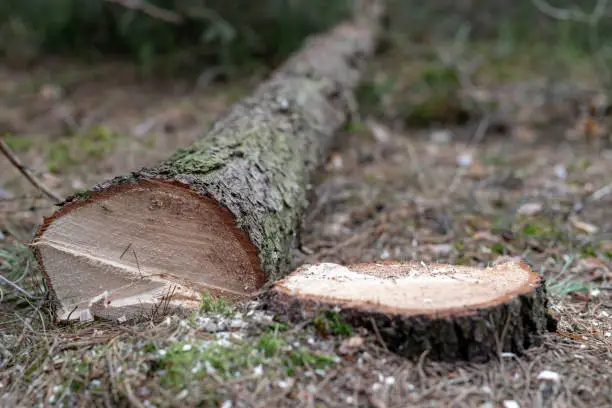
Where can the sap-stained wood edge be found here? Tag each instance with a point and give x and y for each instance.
(453, 312)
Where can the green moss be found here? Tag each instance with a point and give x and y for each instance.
(532, 230)
(279, 326)
(495, 159)
(435, 98)
(18, 143)
(355, 126)
(96, 143)
(186, 362)
(149, 347)
(305, 357)
(150, 141)
(218, 305)
(270, 153)
(459, 246)
(374, 90)
(589, 249)
(498, 248)
(269, 344)
(538, 227)
(207, 155)
(438, 107)
(462, 260)
(332, 323)
(438, 76)
(82, 195)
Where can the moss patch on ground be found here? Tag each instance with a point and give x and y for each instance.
(94, 143)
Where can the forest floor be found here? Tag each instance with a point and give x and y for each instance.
(525, 176)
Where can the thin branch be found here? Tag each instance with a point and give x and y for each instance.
(151, 10)
(131, 396)
(23, 170)
(560, 13)
(601, 193)
(592, 20)
(17, 288)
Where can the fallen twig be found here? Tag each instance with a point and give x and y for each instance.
(17, 288)
(601, 193)
(23, 170)
(151, 10)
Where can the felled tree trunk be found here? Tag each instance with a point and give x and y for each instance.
(450, 312)
(219, 216)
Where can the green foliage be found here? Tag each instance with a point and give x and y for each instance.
(302, 356)
(222, 33)
(13, 260)
(269, 344)
(436, 100)
(590, 249)
(459, 246)
(508, 23)
(279, 326)
(438, 76)
(498, 248)
(95, 143)
(332, 323)
(566, 286)
(184, 362)
(17, 266)
(373, 91)
(218, 305)
(18, 143)
(82, 195)
(539, 228)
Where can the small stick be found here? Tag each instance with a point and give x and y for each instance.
(151, 10)
(378, 336)
(125, 250)
(17, 288)
(15, 162)
(137, 263)
(131, 396)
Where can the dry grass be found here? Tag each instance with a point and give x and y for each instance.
(390, 194)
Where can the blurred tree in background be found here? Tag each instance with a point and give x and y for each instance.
(216, 32)
(234, 33)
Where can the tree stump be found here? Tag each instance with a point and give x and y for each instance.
(452, 312)
(220, 216)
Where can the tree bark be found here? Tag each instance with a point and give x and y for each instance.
(221, 215)
(450, 312)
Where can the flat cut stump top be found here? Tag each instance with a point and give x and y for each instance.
(455, 312)
(410, 288)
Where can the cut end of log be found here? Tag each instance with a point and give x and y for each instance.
(136, 243)
(411, 288)
(452, 311)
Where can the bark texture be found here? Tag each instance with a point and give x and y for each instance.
(255, 163)
(477, 333)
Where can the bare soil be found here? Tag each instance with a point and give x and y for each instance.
(453, 195)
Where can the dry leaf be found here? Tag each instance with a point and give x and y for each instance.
(335, 162)
(530, 208)
(583, 226)
(351, 345)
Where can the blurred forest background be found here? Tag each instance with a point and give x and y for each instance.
(236, 34)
